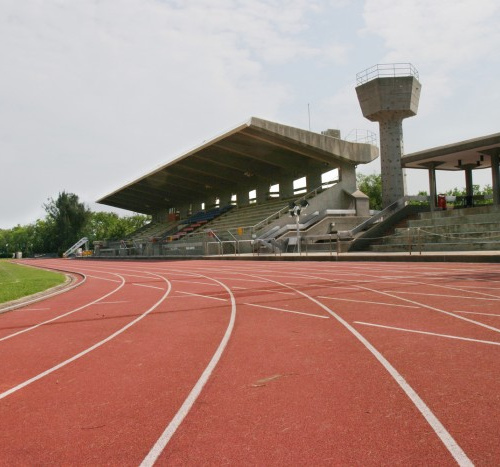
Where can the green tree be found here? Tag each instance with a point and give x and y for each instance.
(476, 191)
(108, 225)
(68, 219)
(371, 186)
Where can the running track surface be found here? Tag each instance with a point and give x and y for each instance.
(255, 363)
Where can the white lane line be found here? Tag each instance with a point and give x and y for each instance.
(102, 278)
(111, 303)
(239, 288)
(203, 296)
(475, 313)
(441, 295)
(65, 314)
(194, 282)
(35, 309)
(428, 333)
(423, 305)
(245, 280)
(90, 349)
(170, 430)
(443, 434)
(149, 286)
(135, 275)
(273, 291)
(287, 311)
(366, 301)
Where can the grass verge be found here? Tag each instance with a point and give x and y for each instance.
(19, 281)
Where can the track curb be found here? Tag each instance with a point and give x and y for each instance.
(70, 283)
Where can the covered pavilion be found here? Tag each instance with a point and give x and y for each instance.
(466, 156)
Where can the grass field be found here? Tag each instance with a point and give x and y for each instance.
(18, 281)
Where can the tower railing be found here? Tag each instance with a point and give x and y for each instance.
(386, 70)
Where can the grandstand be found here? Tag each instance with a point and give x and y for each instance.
(238, 187)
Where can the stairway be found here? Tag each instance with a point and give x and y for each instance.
(469, 229)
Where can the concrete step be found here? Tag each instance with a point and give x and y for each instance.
(450, 246)
(472, 219)
(490, 228)
(488, 209)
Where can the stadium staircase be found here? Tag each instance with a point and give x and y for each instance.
(467, 229)
(78, 244)
(365, 239)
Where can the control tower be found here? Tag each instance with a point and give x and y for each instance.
(387, 94)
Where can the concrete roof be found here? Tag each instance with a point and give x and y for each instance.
(447, 157)
(258, 149)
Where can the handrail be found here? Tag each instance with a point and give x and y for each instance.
(389, 210)
(284, 210)
(386, 70)
(229, 232)
(215, 235)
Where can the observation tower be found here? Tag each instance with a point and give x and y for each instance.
(387, 94)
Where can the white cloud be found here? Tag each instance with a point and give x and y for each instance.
(445, 39)
(97, 92)
(113, 88)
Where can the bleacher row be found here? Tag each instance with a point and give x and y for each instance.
(193, 223)
(216, 220)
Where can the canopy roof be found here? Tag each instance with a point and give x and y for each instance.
(472, 153)
(259, 150)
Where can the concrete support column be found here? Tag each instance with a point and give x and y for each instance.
(224, 199)
(262, 193)
(286, 188)
(495, 177)
(313, 181)
(432, 188)
(242, 197)
(391, 150)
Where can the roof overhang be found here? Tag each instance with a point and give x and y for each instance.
(473, 153)
(260, 150)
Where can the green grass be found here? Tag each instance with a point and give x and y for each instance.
(19, 281)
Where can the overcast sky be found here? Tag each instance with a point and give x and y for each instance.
(95, 93)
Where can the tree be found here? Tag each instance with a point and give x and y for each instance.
(68, 219)
(371, 186)
(107, 225)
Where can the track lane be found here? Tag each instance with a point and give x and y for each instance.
(316, 392)
(274, 431)
(479, 441)
(97, 393)
(55, 349)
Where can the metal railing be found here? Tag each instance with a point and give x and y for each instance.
(362, 136)
(286, 209)
(386, 70)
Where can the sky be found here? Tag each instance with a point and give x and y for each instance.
(96, 93)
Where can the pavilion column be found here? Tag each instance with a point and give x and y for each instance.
(495, 177)
(431, 167)
(432, 187)
(469, 188)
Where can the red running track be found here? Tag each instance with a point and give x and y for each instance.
(255, 363)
